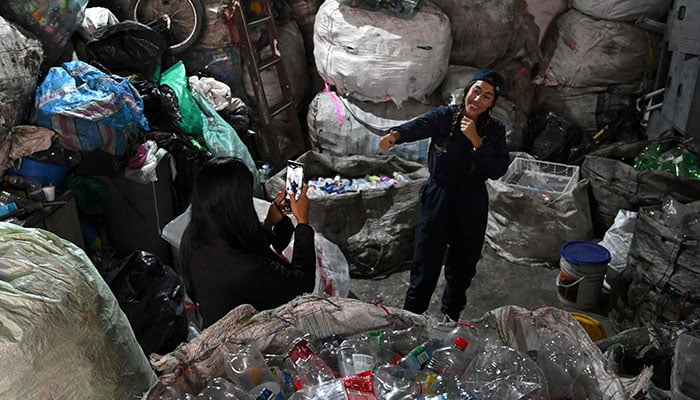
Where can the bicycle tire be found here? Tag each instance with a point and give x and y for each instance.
(186, 19)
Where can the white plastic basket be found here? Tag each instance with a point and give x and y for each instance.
(541, 177)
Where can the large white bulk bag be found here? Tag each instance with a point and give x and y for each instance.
(544, 13)
(515, 120)
(373, 56)
(63, 334)
(485, 31)
(20, 60)
(622, 10)
(341, 126)
(592, 52)
(291, 48)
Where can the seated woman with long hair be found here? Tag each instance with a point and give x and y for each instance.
(226, 259)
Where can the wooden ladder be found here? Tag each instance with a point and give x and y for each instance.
(240, 31)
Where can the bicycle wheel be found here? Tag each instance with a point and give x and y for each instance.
(181, 20)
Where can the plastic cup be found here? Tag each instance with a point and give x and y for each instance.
(49, 192)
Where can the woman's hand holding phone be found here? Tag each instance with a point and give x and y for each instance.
(300, 205)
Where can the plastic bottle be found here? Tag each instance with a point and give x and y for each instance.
(389, 385)
(246, 367)
(381, 349)
(355, 356)
(310, 366)
(450, 360)
(419, 357)
(401, 178)
(7, 197)
(219, 389)
(473, 337)
(402, 341)
(30, 185)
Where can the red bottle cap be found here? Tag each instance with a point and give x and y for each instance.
(461, 343)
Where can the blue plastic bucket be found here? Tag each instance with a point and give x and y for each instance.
(47, 174)
(583, 265)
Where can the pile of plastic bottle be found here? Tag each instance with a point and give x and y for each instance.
(409, 364)
(321, 186)
(676, 160)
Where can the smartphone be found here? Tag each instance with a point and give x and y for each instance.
(293, 182)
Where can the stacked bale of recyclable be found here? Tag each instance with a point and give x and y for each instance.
(596, 68)
(369, 55)
(486, 32)
(20, 61)
(340, 126)
(662, 277)
(382, 69)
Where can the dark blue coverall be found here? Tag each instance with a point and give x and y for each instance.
(454, 205)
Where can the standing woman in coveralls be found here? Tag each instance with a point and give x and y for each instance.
(467, 147)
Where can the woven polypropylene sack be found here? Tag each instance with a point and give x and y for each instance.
(622, 10)
(20, 60)
(340, 126)
(375, 57)
(595, 52)
(375, 228)
(64, 335)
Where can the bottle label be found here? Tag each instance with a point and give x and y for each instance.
(362, 362)
(359, 386)
(421, 355)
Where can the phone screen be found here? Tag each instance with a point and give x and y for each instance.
(293, 182)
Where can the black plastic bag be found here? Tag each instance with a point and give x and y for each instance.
(552, 137)
(189, 158)
(153, 299)
(160, 106)
(127, 48)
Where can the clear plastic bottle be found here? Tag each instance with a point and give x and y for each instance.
(401, 178)
(355, 356)
(310, 366)
(402, 341)
(419, 357)
(389, 384)
(450, 360)
(246, 367)
(219, 389)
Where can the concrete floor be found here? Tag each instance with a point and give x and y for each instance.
(497, 283)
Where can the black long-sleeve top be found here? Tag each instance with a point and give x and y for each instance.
(453, 162)
(224, 277)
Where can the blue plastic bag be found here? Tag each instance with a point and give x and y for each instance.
(88, 108)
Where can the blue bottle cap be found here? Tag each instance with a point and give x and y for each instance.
(583, 252)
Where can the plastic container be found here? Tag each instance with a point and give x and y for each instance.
(583, 265)
(541, 177)
(450, 360)
(310, 366)
(418, 358)
(246, 367)
(593, 327)
(46, 174)
(355, 356)
(685, 384)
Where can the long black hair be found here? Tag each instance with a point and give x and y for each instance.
(222, 207)
(222, 213)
